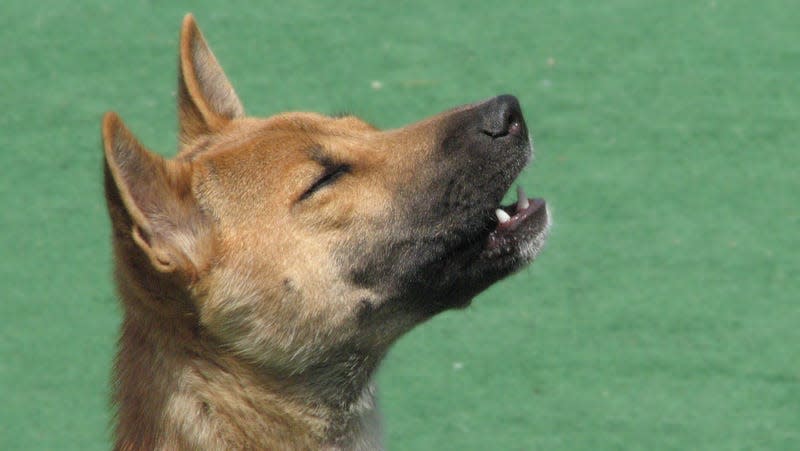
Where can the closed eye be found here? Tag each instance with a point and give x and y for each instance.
(332, 173)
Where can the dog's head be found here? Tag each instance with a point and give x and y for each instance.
(290, 238)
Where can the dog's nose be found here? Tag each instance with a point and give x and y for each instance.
(502, 116)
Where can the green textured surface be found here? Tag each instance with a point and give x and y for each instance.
(664, 313)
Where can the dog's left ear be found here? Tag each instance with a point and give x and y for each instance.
(151, 199)
(206, 99)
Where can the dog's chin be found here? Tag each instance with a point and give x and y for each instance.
(518, 234)
(513, 242)
(504, 246)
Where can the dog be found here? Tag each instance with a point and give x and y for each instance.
(267, 268)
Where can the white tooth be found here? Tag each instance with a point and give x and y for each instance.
(502, 216)
(522, 199)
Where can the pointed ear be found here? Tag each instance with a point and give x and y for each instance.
(206, 99)
(151, 198)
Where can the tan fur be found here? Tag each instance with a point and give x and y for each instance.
(240, 329)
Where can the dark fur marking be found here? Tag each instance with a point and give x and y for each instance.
(365, 310)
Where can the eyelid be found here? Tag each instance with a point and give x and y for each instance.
(333, 171)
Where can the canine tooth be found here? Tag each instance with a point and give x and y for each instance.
(522, 199)
(502, 216)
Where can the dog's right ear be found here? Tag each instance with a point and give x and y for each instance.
(206, 99)
(151, 199)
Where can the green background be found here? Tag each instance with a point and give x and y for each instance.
(664, 312)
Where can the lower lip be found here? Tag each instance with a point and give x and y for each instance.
(519, 217)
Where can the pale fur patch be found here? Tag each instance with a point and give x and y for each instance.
(183, 417)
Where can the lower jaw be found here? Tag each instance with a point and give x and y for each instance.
(532, 231)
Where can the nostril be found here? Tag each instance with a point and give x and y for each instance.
(494, 134)
(508, 125)
(503, 117)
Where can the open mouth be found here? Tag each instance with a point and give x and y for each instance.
(521, 221)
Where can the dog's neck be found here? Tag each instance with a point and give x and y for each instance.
(177, 389)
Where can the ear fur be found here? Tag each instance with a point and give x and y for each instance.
(156, 195)
(206, 99)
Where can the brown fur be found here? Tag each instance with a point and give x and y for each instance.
(243, 327)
